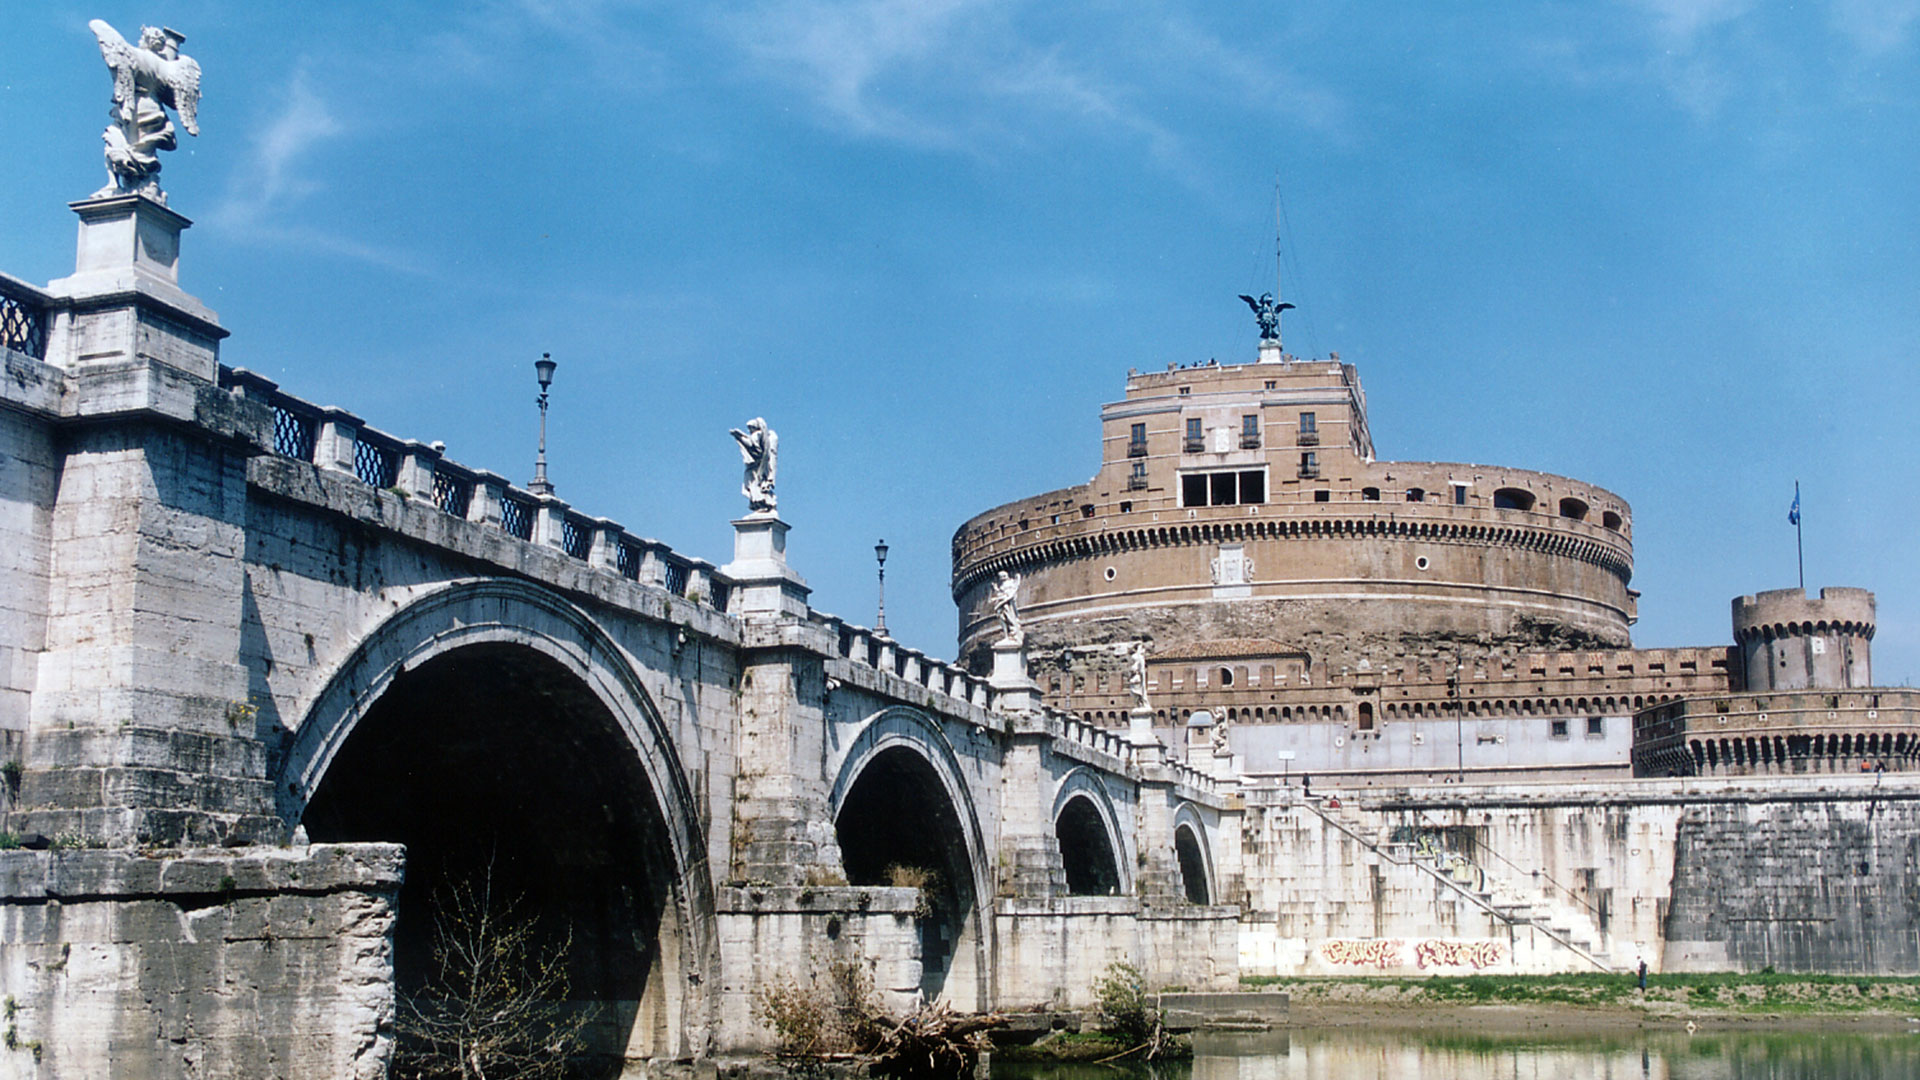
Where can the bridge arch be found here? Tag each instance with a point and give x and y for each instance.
(504, 735)
(1084, 818)
(1193, 855)
(902, 767)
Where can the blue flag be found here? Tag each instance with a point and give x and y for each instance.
(1793, 515)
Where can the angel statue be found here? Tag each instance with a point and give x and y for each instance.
(1268, 314)
(759, 446)
(1003, 601)
(1137, 674)
(148, 79)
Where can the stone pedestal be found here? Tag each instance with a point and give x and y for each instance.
(124, 303)
(1270, 352)
(1017, 692)
(765, 587)
(1140, 733)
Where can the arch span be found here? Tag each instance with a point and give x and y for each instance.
(900, 796)
(1084, 785)
(1193, 854)
(504, 735)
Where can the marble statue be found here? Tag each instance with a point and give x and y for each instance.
(1003, 601)
(148, 79)
(1137, 674)
(759, 447)
(1267, 313)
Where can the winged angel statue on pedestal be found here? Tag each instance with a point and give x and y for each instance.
(148, 79)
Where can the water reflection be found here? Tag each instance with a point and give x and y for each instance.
(1354, 1054)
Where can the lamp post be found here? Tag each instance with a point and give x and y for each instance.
(542, 370)
(880, 553)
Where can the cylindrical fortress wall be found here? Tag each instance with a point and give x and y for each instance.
(1789, 641)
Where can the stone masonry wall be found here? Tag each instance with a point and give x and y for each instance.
(1798, 885)
(255, 963)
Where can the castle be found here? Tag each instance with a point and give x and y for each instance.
(1374, 622)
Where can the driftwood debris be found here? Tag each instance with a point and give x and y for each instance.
(932, 1041)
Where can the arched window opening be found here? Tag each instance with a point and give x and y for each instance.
(1509, 498)
(1416, 495)
(1364, 714)
(1573, 508)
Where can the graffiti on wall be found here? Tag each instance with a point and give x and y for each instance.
(1473, 954)
(1428, 954)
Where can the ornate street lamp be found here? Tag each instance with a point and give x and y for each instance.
(542, 370)
(880, 553)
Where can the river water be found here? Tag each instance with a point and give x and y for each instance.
(1361, 1054)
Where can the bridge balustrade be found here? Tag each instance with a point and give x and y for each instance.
(23, 317)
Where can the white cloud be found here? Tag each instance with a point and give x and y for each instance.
(971, 75)
(276, 176)
(1681, 23)
(1876, 27)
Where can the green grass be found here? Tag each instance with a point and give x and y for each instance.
(1765, 992)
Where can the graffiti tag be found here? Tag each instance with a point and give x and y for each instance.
(1473, 954)
(1361, 952)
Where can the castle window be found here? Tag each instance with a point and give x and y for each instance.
(1513, 499)
(1193, 489)
(1611, 520)
(1196, 440)
(1250, 433)
(1415, 495)
(1273, 384)
(1086, 511)
(1370, 494)
(1185, 390)
(1137, 479)
(1309, 430)
(1226, 676)
(1558, 729)
(1322, 495)
(1309, 464)
(1253, 486)
(1459, 494)
(1573, 508)
(1222, 488)
(1364, 715)
(1137, 442)
(1126, 508)
(1596, 725)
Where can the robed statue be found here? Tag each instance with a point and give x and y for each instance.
(148, 79)
(1267, 313)
(759, 447)
(1003, 600)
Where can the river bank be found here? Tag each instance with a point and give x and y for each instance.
(1593, 1004)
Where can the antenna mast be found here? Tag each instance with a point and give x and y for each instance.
(1278, 295)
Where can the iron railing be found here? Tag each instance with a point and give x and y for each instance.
(1195, 446)
(23, 323)
(677, 578)
(627, 559)
(1137, 448)
(1309, 438)
(375, 463)
(576, 536)
(1249, 440)
(294, 431)
(452, 494)
(516, 516)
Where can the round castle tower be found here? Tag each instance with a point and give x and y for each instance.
(1790, 642)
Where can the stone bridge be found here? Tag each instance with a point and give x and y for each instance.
(232, 614)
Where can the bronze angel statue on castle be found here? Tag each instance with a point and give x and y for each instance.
(148, 79)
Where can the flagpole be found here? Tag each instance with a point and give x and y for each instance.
(1799, 549)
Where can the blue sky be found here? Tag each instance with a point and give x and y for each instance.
(1671, 247)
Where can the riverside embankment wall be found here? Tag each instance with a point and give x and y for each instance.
(1798, 875)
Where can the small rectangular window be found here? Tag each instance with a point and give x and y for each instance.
(1596, 725)
(1273, 384)
(1309, 463)
(1323, 495)
(1249, 433)
(1307, 423)
(1193, 489)
(1459, 494)
(1137, 442)
(1196, 440)
(1137, 479)
(1221, 488)
(1559, 729)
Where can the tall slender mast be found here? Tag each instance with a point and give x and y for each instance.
(1278, 295)
(1799, 548)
